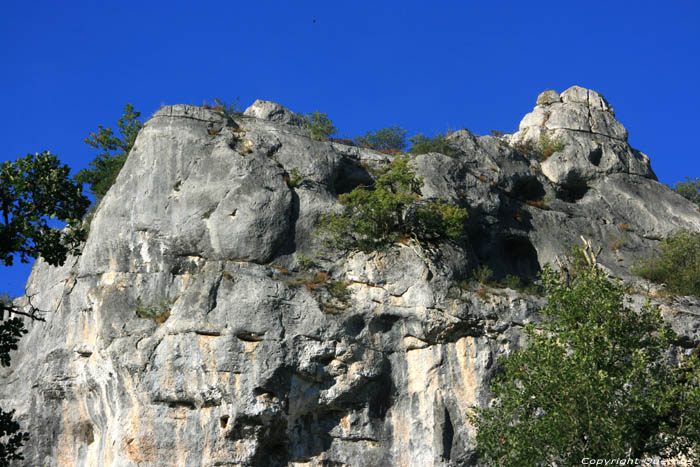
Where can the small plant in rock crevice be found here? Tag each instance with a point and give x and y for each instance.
(232, 109)
(294, 178)
(157, 311)
(544, 148)
(482, 274)
(332, 296)
(305, 261)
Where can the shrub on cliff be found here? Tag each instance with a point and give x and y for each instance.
(106, 165)
(376, 216)
(321, 126)
(689, 189)
(421, 144)
(385, 139)
(676, 264)
(596, 380)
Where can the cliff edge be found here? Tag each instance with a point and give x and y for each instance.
(202, 323)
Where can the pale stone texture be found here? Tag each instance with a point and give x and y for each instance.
(255, 365)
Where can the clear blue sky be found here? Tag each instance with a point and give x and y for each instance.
(425, 66)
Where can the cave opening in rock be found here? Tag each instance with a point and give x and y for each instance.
(573, 188)
(595, 156)
(223, 421)
(519, 258)
(528, 188)
(349, 176)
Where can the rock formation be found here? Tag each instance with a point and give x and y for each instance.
(199, 325)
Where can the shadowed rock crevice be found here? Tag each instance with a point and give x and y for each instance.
(573, 188)
(350, 175)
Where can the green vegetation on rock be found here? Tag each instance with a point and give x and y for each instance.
(385, 139)
(676, 264)
(421, 144)
(376, 216)
(33, 190)
(107, 164)
(543, 150)
(689, 189)
(321, 126)
(595, 380)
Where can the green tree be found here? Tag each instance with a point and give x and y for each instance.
(376, 216)
(689, 189)
(421, 144)
(321, 126)
(33, 190)
(107, 164)
(386, 139)
(677, 264)
(596, 380)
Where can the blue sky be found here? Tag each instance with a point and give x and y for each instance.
(424, 66)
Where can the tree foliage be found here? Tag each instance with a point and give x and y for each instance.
(33, 190)
(677, 264)
(421, 144)
(596, 380)
(11, 438)
(321, 126)
(385, 139)
(689, 189)
(107, 164)
(375, 216)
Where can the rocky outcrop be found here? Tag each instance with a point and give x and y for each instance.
(206, 324)
(595, 143)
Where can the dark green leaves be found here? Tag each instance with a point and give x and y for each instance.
(10, 332)
(376, 216)
(11, 438)
(321, 126)
(595, 380)
(677, 264)
(33, 190)
(421, 144)
(689, 189)
(106, 165)
(386, 139)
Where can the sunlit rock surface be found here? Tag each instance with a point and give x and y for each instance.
(194, 330)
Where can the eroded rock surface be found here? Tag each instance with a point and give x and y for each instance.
(201, 326)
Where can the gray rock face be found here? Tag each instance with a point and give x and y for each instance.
(274, 112)
(206, 324)
(594, 142)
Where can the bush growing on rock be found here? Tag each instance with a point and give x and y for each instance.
(228, 109)
(689, 189)
(376, 216)
(544, 148)
(422, 144)
(596, 380)
(321, 126)
(677, 264)
(386, 139)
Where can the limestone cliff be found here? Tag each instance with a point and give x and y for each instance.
(194, 330)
